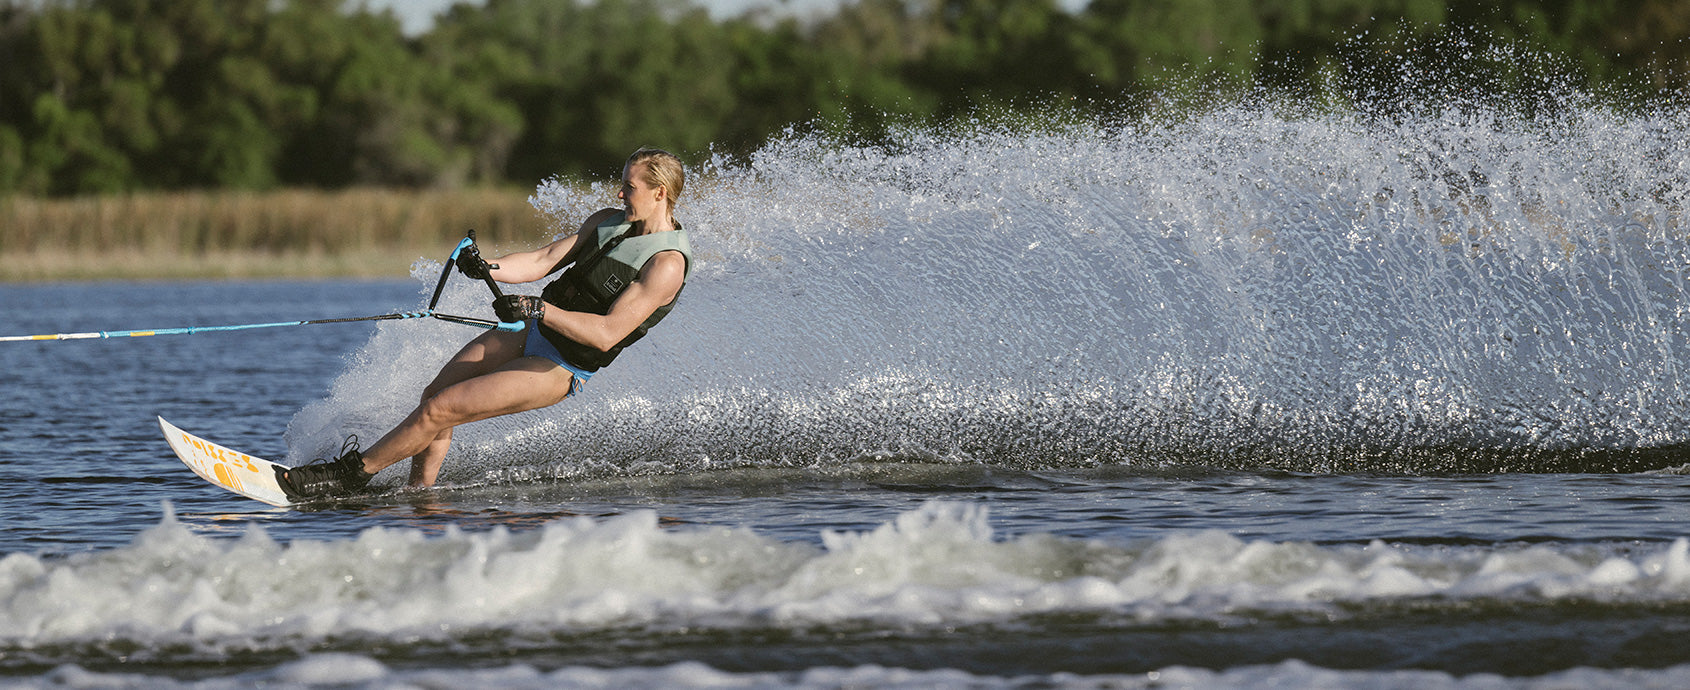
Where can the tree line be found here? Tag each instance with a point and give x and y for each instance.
(102, 96)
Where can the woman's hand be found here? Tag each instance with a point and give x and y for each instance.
(512, 308)
(471, 264)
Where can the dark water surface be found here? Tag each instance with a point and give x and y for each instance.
(774, 575)
(1249, 397)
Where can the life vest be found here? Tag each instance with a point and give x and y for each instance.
(606, 266)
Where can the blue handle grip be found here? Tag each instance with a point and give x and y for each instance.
(468, 242)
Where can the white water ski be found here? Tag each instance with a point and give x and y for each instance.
(254, 478)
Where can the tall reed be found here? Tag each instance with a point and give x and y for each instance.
(229, 234)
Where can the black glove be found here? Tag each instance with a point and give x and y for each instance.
(518, 308)
(471, 264)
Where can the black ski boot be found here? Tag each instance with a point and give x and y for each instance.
(326, 478)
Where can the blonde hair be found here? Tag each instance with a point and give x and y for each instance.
(662, 169)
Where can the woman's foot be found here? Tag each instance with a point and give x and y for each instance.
(327, 478)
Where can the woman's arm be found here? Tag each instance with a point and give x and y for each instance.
(659, 281)
(532, 265)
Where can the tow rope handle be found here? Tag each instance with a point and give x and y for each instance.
(468, 245)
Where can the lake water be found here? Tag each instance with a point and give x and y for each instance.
(1245, 401)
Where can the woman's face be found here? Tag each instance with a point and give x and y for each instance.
(640, 199)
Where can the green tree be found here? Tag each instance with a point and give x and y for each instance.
(863, 58)
(113, 95)
(1172, 45)
(998, 52)
(65, 57)
(594, 81)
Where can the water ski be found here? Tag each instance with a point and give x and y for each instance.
(254, 478)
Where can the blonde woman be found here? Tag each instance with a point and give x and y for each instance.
(625, 267)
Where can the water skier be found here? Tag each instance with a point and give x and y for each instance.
(626, 267)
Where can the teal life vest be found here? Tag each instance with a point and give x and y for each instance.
(609, 262)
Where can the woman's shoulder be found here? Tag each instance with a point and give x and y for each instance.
(599, 217)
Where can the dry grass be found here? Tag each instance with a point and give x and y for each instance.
(290, 233)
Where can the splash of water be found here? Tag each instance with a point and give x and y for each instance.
(940, 563)
(1455, 289)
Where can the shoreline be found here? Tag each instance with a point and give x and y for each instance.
(289, 233)
(140, 266)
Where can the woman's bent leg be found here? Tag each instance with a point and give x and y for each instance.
(486, 353)
(425, 466)
(526, 383)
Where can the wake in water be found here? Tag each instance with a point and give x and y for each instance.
(1436, 289)
(938, 566)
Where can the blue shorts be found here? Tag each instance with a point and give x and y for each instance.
(538, 346)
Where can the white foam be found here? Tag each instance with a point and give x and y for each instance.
(940, 564)
(357, 672)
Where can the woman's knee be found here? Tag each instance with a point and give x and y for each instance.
(435, 413)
